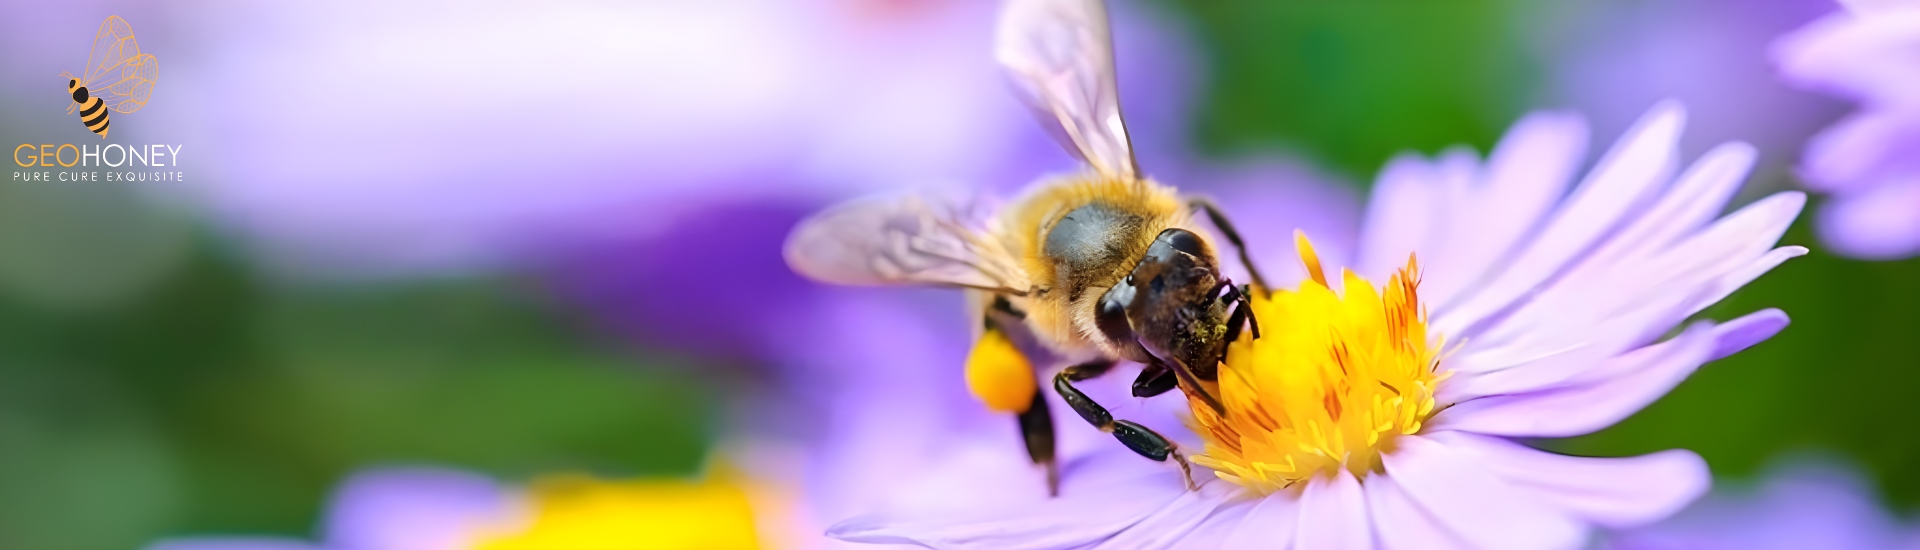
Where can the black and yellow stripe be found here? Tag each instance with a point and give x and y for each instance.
(93, 110)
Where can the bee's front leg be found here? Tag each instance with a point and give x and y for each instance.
(1141, 439)
(1242, 312)
(1232, 235)
(1154, 380)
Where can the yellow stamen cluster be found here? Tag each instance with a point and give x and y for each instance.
(583, 513)
(1333, 379)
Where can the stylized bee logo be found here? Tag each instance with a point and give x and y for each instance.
(119, 77)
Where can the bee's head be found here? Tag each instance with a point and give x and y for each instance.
(73, 87)
(1169, 305)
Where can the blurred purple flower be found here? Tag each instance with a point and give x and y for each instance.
(1551, 304)
(1611, 59)
(499, 130)
(1868, 53)
(1804, 504)
(393, 509)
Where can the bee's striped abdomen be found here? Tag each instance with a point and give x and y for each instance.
(93, 112)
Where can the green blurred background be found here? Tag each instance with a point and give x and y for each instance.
(217, 400)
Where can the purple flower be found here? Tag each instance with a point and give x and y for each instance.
(1870, 161)
(1801, 504)
(1609, 60)
(1359, 420)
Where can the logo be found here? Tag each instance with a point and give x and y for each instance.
(119, 78)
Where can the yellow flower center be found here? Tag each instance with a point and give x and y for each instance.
(1334, 377)
(583, 513)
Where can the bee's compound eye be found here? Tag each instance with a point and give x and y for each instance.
(1184, 241)
(1174, 240)
(71, 83)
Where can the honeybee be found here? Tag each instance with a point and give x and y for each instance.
(118, 78)
(1083, 270)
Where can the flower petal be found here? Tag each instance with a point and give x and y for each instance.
(1473, 503)
(1611, 492)
(1170, 527)
(1613, 391)
(1333, 515)
(1639, 162)
(1874, 224)
(1863, 58)
(1525, 175)
(1098, 498)
(1865, 149)
(1564, 411)
(1571, 327)
(1400, 524)
(1270, 525)
(1754, 328)
(1802, 504)
(1696, 197)
(1401, 215)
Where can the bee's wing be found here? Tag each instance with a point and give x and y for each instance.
(1060, 55)
(116, 70)
(112, 45)
(134, 85)
(912, 239)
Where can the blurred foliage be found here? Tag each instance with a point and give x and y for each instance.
(1841, 378)
(1353, 83)
(216, 404)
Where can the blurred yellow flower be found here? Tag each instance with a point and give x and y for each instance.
(577, 512)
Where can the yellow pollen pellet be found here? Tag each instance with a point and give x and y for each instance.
(999, 375)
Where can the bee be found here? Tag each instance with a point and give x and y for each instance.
(118, 77)
(1084, 270)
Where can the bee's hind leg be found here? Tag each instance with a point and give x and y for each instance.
(1141, 439)
(1232, 235)
(1036, 430)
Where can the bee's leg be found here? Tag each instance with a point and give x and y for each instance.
(1088, 369)
(1242, 311)
(1036, 429)
(1036, 423)
(1141, 439)
(1154, 380)
(1233, 236)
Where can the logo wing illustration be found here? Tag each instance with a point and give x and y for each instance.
(116, 70)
